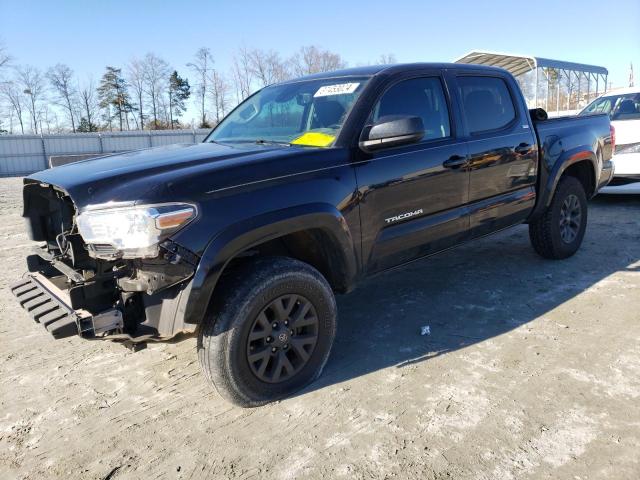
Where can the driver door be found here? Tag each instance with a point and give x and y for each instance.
(413, 197)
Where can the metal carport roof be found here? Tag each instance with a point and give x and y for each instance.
(520, 64)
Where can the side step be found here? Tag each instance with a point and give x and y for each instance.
(45, 307)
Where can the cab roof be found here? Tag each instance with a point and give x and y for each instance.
(371, 70)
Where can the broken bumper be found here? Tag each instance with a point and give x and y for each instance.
(50, 306)
(45, 307)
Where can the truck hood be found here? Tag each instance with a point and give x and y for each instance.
(135, 176)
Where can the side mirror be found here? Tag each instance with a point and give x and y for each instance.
(538, 114)
(392, 131)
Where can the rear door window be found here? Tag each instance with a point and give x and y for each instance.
(486, 103)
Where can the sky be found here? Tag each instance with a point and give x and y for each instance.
(88, 35)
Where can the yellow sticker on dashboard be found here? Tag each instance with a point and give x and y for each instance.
(314, 139)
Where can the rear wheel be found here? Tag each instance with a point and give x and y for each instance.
(558, 233)
(269, 332)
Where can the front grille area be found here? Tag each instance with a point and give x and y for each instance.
(49, 212)
(45, 308)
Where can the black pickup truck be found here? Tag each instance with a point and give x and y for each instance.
(304, 189)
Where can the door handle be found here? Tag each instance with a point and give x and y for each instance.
(455, 161)
(523, 148)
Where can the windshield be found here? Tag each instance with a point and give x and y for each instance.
(618, 107)
(303, 113)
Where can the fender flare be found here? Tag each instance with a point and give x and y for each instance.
(253, 231)
(549, 179)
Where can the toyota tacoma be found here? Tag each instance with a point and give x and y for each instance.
(304, 189)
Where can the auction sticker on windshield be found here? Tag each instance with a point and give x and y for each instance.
(339, 89)
(314, 139)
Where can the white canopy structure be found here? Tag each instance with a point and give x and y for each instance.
(573, 81)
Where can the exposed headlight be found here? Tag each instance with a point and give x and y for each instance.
(134, 232)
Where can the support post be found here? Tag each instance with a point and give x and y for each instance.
(44, 150)
(535, 104)
(548, 86)
(579, 90)
(558, 91)
(568, 89)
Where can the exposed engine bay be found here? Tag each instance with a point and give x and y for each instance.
(95, 290)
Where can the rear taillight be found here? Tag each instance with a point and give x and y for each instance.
(612, 130)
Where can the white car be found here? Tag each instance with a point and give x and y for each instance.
(623, 108)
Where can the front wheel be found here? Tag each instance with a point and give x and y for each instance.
(558, 233)
(269, 332)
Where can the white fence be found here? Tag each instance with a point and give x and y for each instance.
(25, 154)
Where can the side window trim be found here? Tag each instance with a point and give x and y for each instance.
(445, 93)
(509, 126)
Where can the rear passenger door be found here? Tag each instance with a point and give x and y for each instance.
(413, 196)
(502, 150)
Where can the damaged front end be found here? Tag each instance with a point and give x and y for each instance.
(107, 271)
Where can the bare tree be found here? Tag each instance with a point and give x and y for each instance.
(88, 105)
(5, 58)
(50, 119)
(16, 99)
(137, 82)
(31, 80)
(219, 95)
(9, 114)
(202, 64)
(163, 112)
(267, 67)
(4, 63)
(61, 79)
(242, 75)
(155, 75)
(147, 80)
(311, 59)
(387, 59)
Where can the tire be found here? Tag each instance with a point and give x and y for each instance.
(558, 233)
(234, 335)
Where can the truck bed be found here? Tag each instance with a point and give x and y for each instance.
(564, 140)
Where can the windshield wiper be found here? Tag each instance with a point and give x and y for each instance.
(263, 141)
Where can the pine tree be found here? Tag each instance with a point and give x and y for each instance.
(113, 93)
(179, 91)
(86, 126)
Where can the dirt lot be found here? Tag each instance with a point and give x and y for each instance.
(532, 370)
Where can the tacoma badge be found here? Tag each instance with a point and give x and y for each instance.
(402, 216)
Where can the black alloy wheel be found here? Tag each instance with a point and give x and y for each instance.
(282, 338)
(269, 330)
(558, 232)
(570, 218)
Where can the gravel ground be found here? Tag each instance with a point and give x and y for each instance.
(531, 370)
